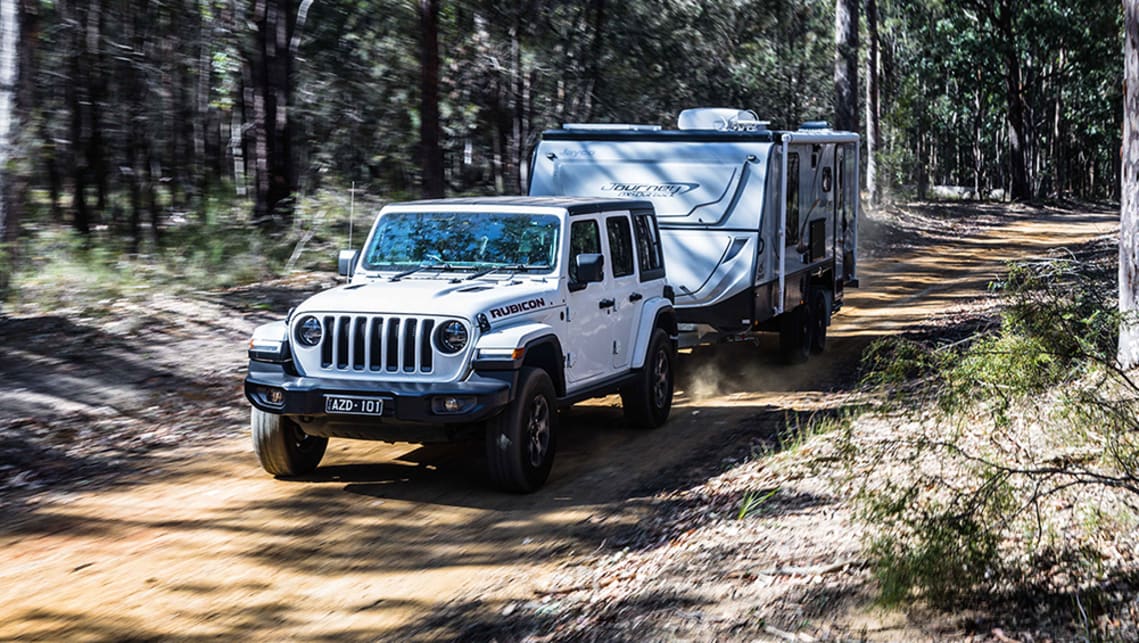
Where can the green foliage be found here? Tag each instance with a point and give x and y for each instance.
(942, 550)
(753, 500)
(897, 361)
(965, 512)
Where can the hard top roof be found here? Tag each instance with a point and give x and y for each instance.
(574, 205)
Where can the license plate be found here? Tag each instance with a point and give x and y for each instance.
(351, 405)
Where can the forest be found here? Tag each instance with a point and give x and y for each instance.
(130, 119)
(961, 462)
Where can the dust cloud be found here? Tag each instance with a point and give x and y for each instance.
(743, 369)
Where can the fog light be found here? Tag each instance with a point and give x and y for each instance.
(452, 404)
(275, 396)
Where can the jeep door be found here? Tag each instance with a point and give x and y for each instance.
(627, 300)
(590, 309)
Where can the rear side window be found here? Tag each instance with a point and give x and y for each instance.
(648, 247)
(620, 245)
(585, 238)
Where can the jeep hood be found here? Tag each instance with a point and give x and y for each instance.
(435, 297)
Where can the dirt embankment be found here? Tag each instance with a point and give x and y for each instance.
(134, 507)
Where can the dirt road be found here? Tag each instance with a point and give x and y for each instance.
(134, 507)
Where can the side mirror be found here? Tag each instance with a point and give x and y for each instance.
(346, 262)
(590, 267)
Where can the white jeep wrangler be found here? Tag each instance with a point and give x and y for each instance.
(472, 315)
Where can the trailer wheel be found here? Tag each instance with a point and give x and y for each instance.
(820, 313)
(795, 335)
(520, 441)
(648, 402)
(283, 448)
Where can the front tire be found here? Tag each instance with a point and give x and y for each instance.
(520, 441)
(648, 402)
(283, 448)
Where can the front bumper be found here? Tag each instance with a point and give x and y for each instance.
(484, 395)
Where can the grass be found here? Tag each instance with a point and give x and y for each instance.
(62, 270)
(753, 500)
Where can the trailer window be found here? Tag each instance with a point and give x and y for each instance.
(792, 200)
(620, 245)
(648, 247)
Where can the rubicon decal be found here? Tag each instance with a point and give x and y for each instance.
(649, 190)
(510, 309)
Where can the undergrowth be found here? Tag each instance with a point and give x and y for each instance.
(60, 269)
(998, 440)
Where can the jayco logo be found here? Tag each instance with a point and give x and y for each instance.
(510, 309)
(649, 190)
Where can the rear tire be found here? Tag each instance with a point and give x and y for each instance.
(283, 448)
(795, 335)
(520, 441)
(648, 402)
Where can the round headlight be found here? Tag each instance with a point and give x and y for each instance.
(309, 331)
(452, 337)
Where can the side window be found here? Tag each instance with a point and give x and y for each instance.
(648, 247)
(620, 245)
(585, 238)
(792, 199)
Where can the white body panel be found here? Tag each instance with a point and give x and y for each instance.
(740, 211)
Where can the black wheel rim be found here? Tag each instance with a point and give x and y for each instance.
(660, 375)
(538, 430)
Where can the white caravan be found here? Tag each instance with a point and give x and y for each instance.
(759, 227)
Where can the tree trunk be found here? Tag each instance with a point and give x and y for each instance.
(429, 129)
(9, 132)
(97, 93)
(978, 151)
(270, 72)
(846, 65)
(75, 88)
(1129, 188)
(1014, 91)
(873, 141)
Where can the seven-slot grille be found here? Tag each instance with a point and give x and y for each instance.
(378, 343)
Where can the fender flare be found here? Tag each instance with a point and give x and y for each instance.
(656, 313)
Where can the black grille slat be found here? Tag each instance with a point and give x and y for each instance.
(326, 343)
(425, 349)
(391, 341)
(359, 337)
(410, 347)
(343, 326)
(375, 341)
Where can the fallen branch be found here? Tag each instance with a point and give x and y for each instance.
(811, 570)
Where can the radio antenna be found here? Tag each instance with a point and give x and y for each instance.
(351, 211)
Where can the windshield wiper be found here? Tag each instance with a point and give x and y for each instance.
(426, 266)
(518, 267)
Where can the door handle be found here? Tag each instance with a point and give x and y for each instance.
(636, 296)
(606, 303)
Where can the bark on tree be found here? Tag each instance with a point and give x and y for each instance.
(846, 65)
(270, 72)
(430, 132)
(1129, 191)
(873, 65)
(9, 76)
(1018, 173)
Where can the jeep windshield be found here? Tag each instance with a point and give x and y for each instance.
(477, 242)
